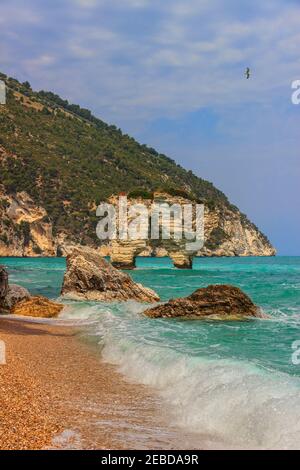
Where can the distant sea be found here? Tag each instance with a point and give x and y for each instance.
(234, 383)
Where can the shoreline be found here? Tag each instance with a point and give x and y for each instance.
(57, 393)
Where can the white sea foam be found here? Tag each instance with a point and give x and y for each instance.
(67, 440)
(234, 404)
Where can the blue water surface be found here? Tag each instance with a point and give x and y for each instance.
(272, 283)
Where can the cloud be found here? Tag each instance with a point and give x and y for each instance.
(177, 66)
(172, 73)
(87, 3)
(40, 62)
(81, 52)
(12, 14)
(160, 58)
(103, 3)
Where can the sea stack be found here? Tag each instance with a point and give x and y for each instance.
(226, 232)
(90, 277)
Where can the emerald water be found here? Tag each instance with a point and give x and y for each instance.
(232, 382)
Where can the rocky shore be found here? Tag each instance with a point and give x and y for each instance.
(54, 390)
(56, 393)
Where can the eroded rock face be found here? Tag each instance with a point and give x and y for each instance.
(215, 301)
(124, 252)
(37, 307)
(14, 295)
(25, 227)
(226, 233)
(26, 230)
(90, 277)
(229, 233)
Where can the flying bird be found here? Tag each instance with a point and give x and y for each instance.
(247, 73)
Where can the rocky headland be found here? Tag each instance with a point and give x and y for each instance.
(226, 233)
(50, 190)
(26, 229)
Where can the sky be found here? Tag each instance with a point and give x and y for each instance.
(171, 73)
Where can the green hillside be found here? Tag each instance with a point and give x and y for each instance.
(69, 161)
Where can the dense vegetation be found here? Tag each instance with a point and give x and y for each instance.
(69, 161)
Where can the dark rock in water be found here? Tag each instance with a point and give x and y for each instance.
(14, 294)
(90, 277)
(216, 301)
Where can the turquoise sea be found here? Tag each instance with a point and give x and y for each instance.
(233, 382)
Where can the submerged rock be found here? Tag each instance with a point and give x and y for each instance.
(14, 294)
(37, 307)
(215, 301)
(90, 277)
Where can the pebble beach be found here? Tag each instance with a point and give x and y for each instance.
(56, 393)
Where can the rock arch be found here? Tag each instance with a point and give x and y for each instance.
(124, 252)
